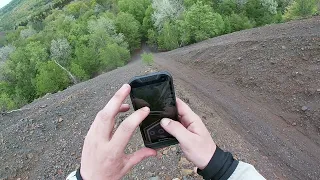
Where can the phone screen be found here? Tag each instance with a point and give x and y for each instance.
(159, 96)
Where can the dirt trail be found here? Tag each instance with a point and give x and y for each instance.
(294, 152)
(44, 139)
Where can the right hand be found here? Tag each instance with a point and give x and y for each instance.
(193, 136)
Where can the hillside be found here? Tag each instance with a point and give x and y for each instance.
(244, 86)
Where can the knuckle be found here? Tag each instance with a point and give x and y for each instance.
(118, 95)
(103, 115)
(126, 127)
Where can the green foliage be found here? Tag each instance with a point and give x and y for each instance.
(78, 72)
(87, 58)
(152, 37)
(76, 8)
(5, 52)
(228, 7)
(238, 22)
(135, 7)
(113, 56)
(201, 23)
(60, 51)
(166, 10)
(130, 28)
(168, 38)
(6, 103)
(189, 3)
(261, 11)
(21, 71)
(147, 58)
(46, 42)
(51, 78)
(283, 4)
(301, 8)
(147, 20)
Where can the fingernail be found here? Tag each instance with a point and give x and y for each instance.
(146, 109)
(165, 121)
(126, 86)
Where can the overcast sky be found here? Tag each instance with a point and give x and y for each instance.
(4, 2)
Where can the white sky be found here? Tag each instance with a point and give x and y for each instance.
(4, 2)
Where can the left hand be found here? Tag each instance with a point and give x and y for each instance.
(103, 154)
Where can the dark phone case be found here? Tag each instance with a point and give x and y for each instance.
(164, 143)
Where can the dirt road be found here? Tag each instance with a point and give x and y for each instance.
(43, 140)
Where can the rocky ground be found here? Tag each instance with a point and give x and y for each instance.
(256, 91)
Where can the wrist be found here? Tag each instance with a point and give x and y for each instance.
(221, 166)
(207, 157)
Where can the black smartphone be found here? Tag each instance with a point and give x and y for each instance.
(157, 92)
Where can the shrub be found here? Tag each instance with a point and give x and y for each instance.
(78, 72)
(301, 8)
(239, 22)
(130, 28)
(147, 58)
(6, 103)
(168, 38)
(5, 52)
(166, 10)
(201, 23)
(51, 78)
(261, 11)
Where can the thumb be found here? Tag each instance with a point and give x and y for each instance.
(139, 155)
(177, 130)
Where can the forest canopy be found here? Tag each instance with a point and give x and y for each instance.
(46, 46)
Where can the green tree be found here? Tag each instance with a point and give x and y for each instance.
(51, 78)
(60, 51)
(301, 8)
(189, 3)
(168, 38)
(261, 11)
(5, 52)
(227, 7)
(87, 58)
(166, 10)
(113, 56)
(21, 71)
(239, 22)
(201, 23)
(6, 103)
(76, 8)
(130, 28)
(78, 72)
(135, 7)
(152, 37)
(147, 21)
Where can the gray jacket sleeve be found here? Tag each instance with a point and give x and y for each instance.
(245, 171)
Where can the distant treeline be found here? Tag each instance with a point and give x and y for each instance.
(63, 43)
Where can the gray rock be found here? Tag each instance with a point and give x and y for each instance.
(304, 108)
(154, 178)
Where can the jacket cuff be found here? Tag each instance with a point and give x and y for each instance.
(78, 175)
(220, 167)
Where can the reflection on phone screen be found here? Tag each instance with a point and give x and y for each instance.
(159, 97)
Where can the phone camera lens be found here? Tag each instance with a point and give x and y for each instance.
(152, 133)
(160, 131)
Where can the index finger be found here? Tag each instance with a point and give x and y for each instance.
(121, 137)
(187, 115)
(113, 106)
